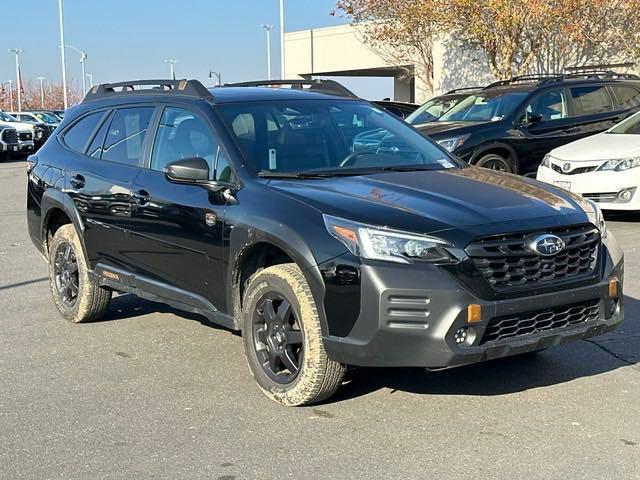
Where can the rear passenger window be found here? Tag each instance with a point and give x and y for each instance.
(78, 135)
(627, 97)
(591, 99)
(126, 135)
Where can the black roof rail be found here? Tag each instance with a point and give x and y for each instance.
(458, 90)
(191, 88)
(525, 79)
(330, 87)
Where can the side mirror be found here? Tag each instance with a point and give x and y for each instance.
(531, 119)
(188, 170)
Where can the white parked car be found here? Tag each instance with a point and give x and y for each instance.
(603, 167)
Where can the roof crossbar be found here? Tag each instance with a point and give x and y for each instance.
(330, 87)
(191, 88)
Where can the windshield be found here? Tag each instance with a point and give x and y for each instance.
(434, 109)
(5, 117)
(45, 117)
(336, 136)
(631, 126)
(485, 107)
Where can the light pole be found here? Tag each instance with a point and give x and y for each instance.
(62, 56)
(17, 51)
(10, 82)
(218, 75)
(42, 79)
(83, 58)
(172, 64)
(268, 30)
(282, 39)
(90, 75)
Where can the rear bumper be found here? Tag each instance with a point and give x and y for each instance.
(404, 324)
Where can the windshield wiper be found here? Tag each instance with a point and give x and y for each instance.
(349, 172)
(267, 174)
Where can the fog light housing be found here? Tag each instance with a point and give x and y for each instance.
(474, 313)
(626, 195)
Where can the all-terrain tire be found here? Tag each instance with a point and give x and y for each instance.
(318, 377)
(92, 301)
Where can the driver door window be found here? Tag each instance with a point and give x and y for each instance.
(182, 134)
(548, 106)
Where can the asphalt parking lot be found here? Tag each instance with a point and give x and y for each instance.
(151, 392)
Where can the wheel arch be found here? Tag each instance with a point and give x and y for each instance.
(497, 148)
(57, 210)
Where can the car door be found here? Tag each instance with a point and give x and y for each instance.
(593, 110)
(178, 228)
(544, 124)
(100, 175)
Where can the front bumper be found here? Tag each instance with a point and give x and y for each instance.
(601, 187)
(409, 316)
(26, 146)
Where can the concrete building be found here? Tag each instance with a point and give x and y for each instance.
(340, 51)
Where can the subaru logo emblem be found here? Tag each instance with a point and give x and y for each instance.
(546, 245)
(566, 167)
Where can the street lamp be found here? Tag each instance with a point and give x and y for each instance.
(218, 75)
(172, 64)
(42, 79)
(83, 58)
(268, 30)
(282, 39)
(62, 57)
(17, 51)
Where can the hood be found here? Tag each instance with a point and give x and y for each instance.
(448, 129)
(603, 146)
(20, 126)
(429, 201)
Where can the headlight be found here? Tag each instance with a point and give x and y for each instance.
(380, 243)
(620, 165)
(546, 161)
(451, 144)
(597, 218)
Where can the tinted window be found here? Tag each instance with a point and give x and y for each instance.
(182, 134)
(95, 149)
(627, 97)
(434, 109)
(223, 169)
(78, 135)
(303, 135)
(549, 106)
(485, 106)
(126, 135)
(591, 99)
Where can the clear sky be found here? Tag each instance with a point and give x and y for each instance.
(128, 39)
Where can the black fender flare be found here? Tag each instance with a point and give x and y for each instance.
(53, 199)
(244, 237)
(482, 149)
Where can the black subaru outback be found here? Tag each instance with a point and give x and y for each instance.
(267, 211)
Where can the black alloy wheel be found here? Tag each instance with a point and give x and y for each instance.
(277, 338)
(65, 269)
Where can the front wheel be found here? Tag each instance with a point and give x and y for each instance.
(283, 340)
(493, 161)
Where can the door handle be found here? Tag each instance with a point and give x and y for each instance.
(77, 181)
(141, 197)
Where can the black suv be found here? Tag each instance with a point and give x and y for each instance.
(510, 125)
(264, 210)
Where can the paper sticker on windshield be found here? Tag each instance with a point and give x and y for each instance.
(445, 163)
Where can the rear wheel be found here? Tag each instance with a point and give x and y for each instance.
(493, 161)
(77, 298)
(283, 340)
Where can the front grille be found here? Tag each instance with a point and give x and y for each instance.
(25, 136)
(506, 263)
(10, 135)
(575, 171)
(530, 323)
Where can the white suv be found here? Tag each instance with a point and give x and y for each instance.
(602, 167)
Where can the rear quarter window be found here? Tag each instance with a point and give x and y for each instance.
(626, 97)
(79, 134)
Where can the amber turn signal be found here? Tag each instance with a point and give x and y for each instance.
(474, 313)
(613, 288)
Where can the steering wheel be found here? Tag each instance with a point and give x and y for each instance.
(352, 157)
